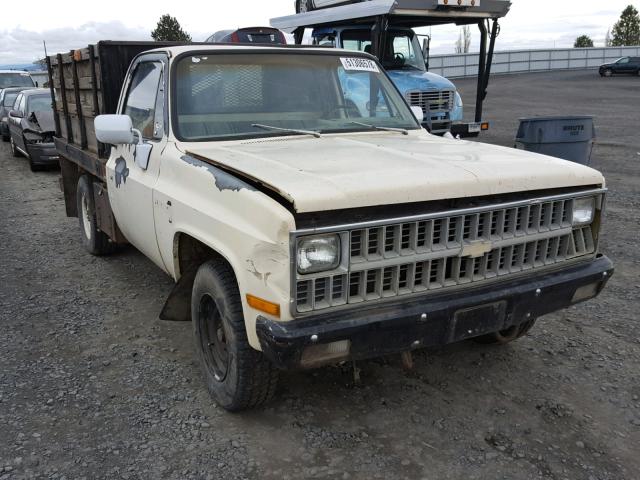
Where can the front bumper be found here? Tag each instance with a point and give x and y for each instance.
(433, 319)
(43, 153)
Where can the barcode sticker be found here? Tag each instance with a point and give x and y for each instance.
(359, 64)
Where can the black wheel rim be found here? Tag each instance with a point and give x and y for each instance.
(213, 338)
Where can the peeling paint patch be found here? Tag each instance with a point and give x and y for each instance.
(122, 172)
(224, 181)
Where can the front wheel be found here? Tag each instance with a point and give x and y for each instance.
(607, 72)
(95, 241)
(237, 376)
(507, 335)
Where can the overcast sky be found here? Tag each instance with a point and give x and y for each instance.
(67, 24)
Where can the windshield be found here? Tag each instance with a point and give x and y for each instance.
(402, 48)
(16, 79)
(39, 103)
(230, 96)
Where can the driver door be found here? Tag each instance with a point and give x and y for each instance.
(130, 180)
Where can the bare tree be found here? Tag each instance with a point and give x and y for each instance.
(463, 44)
(607, 39)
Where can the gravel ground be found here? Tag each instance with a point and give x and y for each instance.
(94, 385)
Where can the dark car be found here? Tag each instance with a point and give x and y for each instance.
(32, 127)
(257, 35)
(7, 99)
(628, 65)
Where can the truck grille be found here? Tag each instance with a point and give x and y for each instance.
(413, 257)
(431, 101)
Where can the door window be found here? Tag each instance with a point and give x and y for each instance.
(145, 99)
(624, 60)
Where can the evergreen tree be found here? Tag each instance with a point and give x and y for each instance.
(626, 31)
(169, 30)
(583, 41)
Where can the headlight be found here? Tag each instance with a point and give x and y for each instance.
(583, 210)
(318, 253)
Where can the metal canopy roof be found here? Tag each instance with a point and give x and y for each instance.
(407, 13)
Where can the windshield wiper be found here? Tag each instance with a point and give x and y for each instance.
(385, 129)
(290, 130)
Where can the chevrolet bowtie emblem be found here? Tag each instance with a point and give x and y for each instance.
(476, 249)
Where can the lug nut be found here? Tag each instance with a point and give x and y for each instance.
(314, 338)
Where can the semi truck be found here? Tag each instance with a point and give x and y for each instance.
(301, 232)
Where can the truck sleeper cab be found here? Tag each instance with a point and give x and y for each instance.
(302, 232)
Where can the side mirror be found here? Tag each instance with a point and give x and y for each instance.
(114, 129)
(15, 114)
(418, 113)
(118, 130)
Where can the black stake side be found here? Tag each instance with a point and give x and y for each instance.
(481, 70)
(94, 91)
(76, 94)
(65, 105)
(56, 114)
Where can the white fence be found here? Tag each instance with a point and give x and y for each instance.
(523, 61)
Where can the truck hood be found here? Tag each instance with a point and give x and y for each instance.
(408, 80)
(358, 170)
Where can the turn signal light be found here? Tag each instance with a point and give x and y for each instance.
(484, 126)
(263, 305)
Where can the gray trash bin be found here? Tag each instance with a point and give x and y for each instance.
(570, 138)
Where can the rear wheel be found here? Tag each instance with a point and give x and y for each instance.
(95, 241)
(237, 376)
(5, 138)
(507, 335)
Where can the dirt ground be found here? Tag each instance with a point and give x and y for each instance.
(94, 385)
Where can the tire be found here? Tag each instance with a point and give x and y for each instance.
(94, 240)
(607, 72)
(237, 376)
(506, 336)
(33, 166)
(638, 72)
(303, 6)
(5, 138)
(14, 150)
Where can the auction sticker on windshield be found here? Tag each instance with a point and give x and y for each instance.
(359, 64)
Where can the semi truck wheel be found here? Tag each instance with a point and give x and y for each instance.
(508, 335)
(237, 376)
(94, 240)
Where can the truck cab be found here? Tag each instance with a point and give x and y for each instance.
(404, 61)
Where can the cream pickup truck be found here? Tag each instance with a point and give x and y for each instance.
(302, 231)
